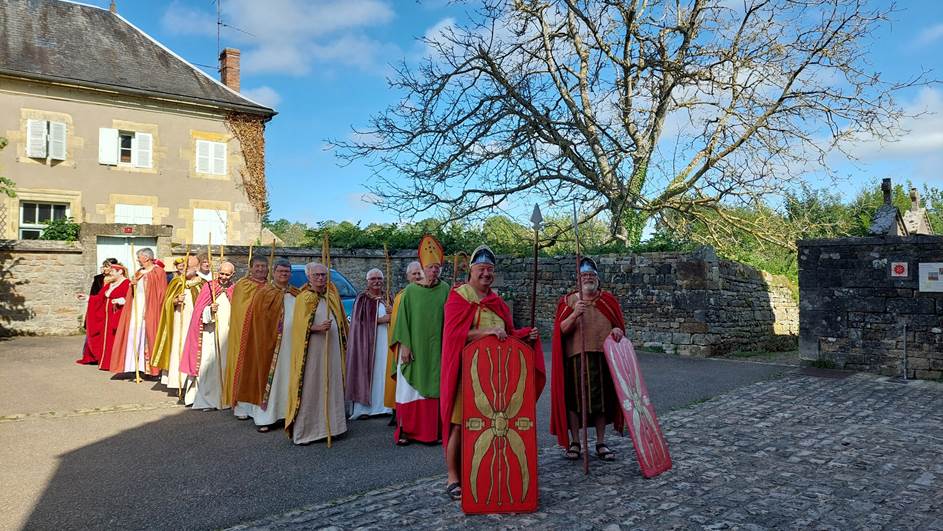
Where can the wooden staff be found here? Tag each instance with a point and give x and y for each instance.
(584, 360)
(249, 263)
(183, 304)
(389, 278)
(134, 319)
(219, 361)
(271, 261)
(536, 218)
(326, 260)
(455, 269)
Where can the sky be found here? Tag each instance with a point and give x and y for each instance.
(323, 65)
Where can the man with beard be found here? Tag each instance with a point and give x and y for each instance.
(474, 311)
(263, 370)
(242, 294)
(601, 317)
(137, 330)
(208, 338)
(176, 314)
(319, 335)
(418, 334)
(367, 348)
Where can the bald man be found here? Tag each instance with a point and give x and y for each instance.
(208, 338)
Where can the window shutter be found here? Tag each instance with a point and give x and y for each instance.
(219, 158)
(57, 141)
(108, 146)
(202, 156)
(141, 150)
(36, 139)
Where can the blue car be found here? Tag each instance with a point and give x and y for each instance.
(299, 278)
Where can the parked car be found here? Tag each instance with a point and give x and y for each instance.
(347, 292)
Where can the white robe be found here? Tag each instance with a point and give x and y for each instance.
(173, 378)
(208, 387)
(137, 337)
(378, 381)
(277, 405)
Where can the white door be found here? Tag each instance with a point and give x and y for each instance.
(120, 247)
(207, 221)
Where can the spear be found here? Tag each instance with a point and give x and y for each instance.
(219, 361)
(134, 318)
(584, 361)
(389, 278)
(186, 267)
(536, 219)
(249, 263)
(271, 260)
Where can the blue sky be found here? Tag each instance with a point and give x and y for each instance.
(323, 65)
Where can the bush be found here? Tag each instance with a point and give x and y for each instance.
(65, 229)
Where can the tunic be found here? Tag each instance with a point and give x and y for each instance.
(209, 386)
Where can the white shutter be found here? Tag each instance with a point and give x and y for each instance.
(57, 145)
(36, 139)
(141, 150)
(108, 146)
(219, 158)
(202, 156)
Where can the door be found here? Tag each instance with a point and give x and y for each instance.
(120, 247)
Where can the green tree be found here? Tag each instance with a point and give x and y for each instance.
(7, 186)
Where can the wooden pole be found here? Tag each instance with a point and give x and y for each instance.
(389, 278)
(134, 318)
(249, 263)
(326, 260)
(219, 360)
(271, 261)
(536, 219)
(183, 304)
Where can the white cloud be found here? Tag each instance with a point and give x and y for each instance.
(922, 131)
(359, 201)
(294, 36)
(437, 33)
(265, 95)
(929, 35)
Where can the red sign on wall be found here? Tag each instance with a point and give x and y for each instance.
(899, 270)
(128, 230)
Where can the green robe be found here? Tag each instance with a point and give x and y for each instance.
(419, 321)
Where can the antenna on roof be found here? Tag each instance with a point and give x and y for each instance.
(113, 7)
(219, 22)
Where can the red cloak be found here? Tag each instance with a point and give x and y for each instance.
(154, 294)
(113, 318)
(94, 329)
(609, 307)
(459, 314)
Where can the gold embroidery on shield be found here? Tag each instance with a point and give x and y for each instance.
(501, 433)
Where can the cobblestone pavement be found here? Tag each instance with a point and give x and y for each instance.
(802, 452)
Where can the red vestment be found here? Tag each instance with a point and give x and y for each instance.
(609, 307)
(112, 318)
(94, 329)
(459, 318)
(156, 284)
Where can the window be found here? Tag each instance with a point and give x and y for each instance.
(35, 216)
(206, 221)
(125, 148)
(134, 214)
(211, 157)
(45, 139)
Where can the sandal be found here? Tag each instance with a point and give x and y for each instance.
(604, 453)
(402, 441)
(454, 491)
(263, 429)
(572, 451)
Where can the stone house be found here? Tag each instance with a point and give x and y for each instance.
(109, 127)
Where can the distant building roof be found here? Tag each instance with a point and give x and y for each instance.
(916, 219)
(65, 42)
(887, 221)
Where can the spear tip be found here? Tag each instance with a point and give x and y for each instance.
(536, 218)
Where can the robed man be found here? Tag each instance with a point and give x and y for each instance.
(367, 348)
(474, 311)
(319, 333)
(413, 275)
(137, 330)
(583, 322)
(418, 336)
(204, 353)
(263, 370)
(175, 317)
(242, 294)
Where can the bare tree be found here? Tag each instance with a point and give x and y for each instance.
(639, 108)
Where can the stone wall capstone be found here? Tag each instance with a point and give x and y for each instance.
(855, 315)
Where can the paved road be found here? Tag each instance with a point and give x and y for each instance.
(800, 452)
(91, 452)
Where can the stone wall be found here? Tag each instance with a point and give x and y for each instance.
(854, 313)
(43, 287)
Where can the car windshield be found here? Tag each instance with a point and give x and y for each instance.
(346, 290)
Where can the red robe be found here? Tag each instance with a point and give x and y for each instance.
(154, 293)
(94, 329)
(113, 314)
(609, 307)
(459, 314)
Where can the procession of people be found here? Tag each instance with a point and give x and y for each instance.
(288, 357)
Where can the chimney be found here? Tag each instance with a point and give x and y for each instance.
(886, 188)
(229, 68)
(113, 7)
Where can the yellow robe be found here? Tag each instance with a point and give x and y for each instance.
(392, 358)
(165, 326)
(242, 295)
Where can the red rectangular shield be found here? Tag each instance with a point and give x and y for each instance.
(499, 427)
(650, 445)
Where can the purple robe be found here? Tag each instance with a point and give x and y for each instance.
(361, 345)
